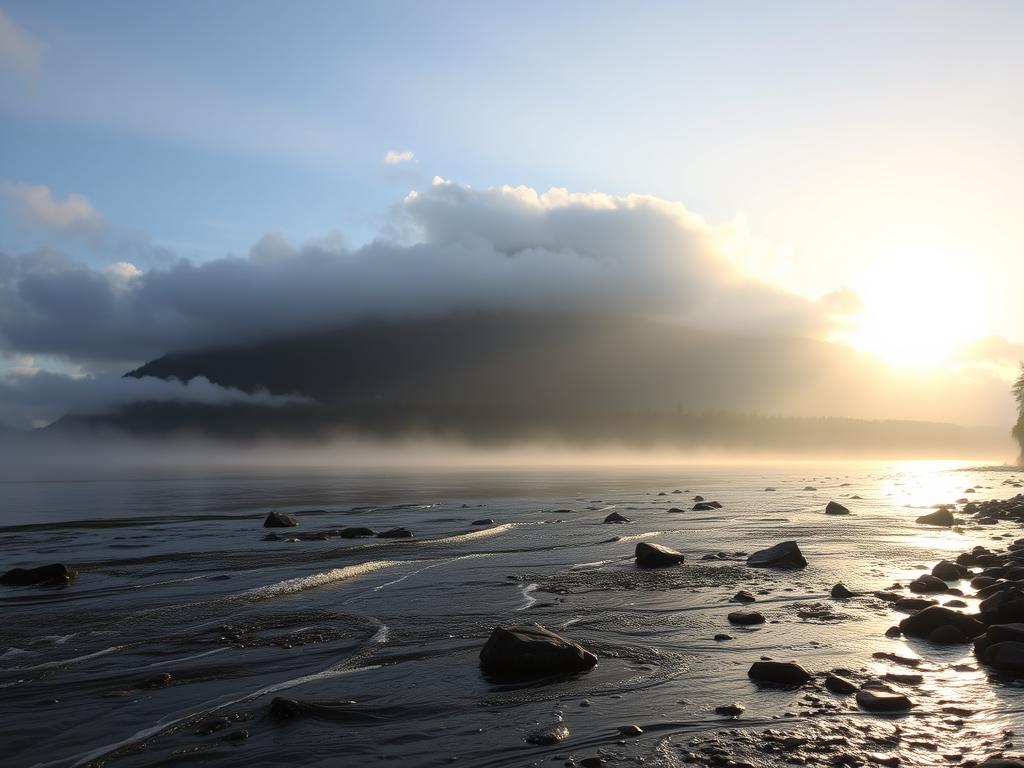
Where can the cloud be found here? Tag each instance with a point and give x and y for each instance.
(32, 398)
(397, 158)
(507, 248)
(73, 215)
(20, 51)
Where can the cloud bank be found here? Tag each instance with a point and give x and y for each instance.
(507, 248)
(74, 215)
(35, 398)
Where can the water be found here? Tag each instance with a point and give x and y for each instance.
(178, 577)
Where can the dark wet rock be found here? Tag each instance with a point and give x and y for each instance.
(698, 498)
(615, 517)
(630, 730)
(212, 725)
(548, 735)
(656, 555)
(1000, 633)
(722, 637)
(55, 574)
(592, 762)
(1007, 656)
(838, 684)
(280, 520)
(161, 680)
(746, 618)
(1001, 762)
(484, 521)
(1004, 607)
(923, 623)
(895, 658)
(810, 488)
(905, 678)
(769, 489)
(948, 635)
(778, 673)
(926, 584)
(240, 735)
(889, 597)
(395, 533)
(882, 700)
(835, 508)
(676, 491)
(730, 710)
(893, 632)
(743, 597)
(784, 555)
(913, 604)
(840, 591)
(949, 571)
(356, 533)
(703, 506)
(955, 604)
(941, 517)
(675, 510)
(528, 651)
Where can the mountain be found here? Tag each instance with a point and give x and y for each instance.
(499, 376)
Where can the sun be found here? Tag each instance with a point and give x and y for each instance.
(918, 309)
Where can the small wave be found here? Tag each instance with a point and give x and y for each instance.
(472, 535)
(639, 536)
(302, 583)
(65, 662)
(528, 599)
(595, 564)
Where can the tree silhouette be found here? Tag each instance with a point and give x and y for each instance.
(1018, 394)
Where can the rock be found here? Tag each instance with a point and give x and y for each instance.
(778, 673)
(838, 684)
(893, 632)
(356, 533)
(675, 510)
(840, 591)
(592, 762)
(906, 678)
(941, 517)
(746, 618)
(784, 555)
(656, 556)
(527, 651)
(280, 520)
(703, 506)
(923, 623)
(1007, 656)
(730, 710)
(55, 574)
(926, 584)
(161, 680)
(882, 700)
(955, 604)
(484, 521)
(743, 597)
(948, 571)
(1000, 633)
(1001, 762)
(548, 735)
(721, 637)
(630, 730)
(947, 634)
(615, 517)
(913, 604)
(835, 508)
(395, 533)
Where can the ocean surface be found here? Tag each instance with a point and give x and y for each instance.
(178, 576)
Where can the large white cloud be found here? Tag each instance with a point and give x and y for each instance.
(501, 248)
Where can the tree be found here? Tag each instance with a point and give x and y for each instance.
(1018, 394)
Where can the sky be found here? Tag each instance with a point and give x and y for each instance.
(843, 170)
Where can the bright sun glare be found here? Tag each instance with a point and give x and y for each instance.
(916, 310)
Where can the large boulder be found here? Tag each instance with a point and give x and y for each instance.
(778, 673)
(528, 651)
(55, 574)
(835, 508)
(926, 584)
(941, 517)
(1007, 656)
(280, 520)
(784, 555)
(656, 556)
(924, 623)
(948, 571)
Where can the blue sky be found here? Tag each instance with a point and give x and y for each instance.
(866, 147)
